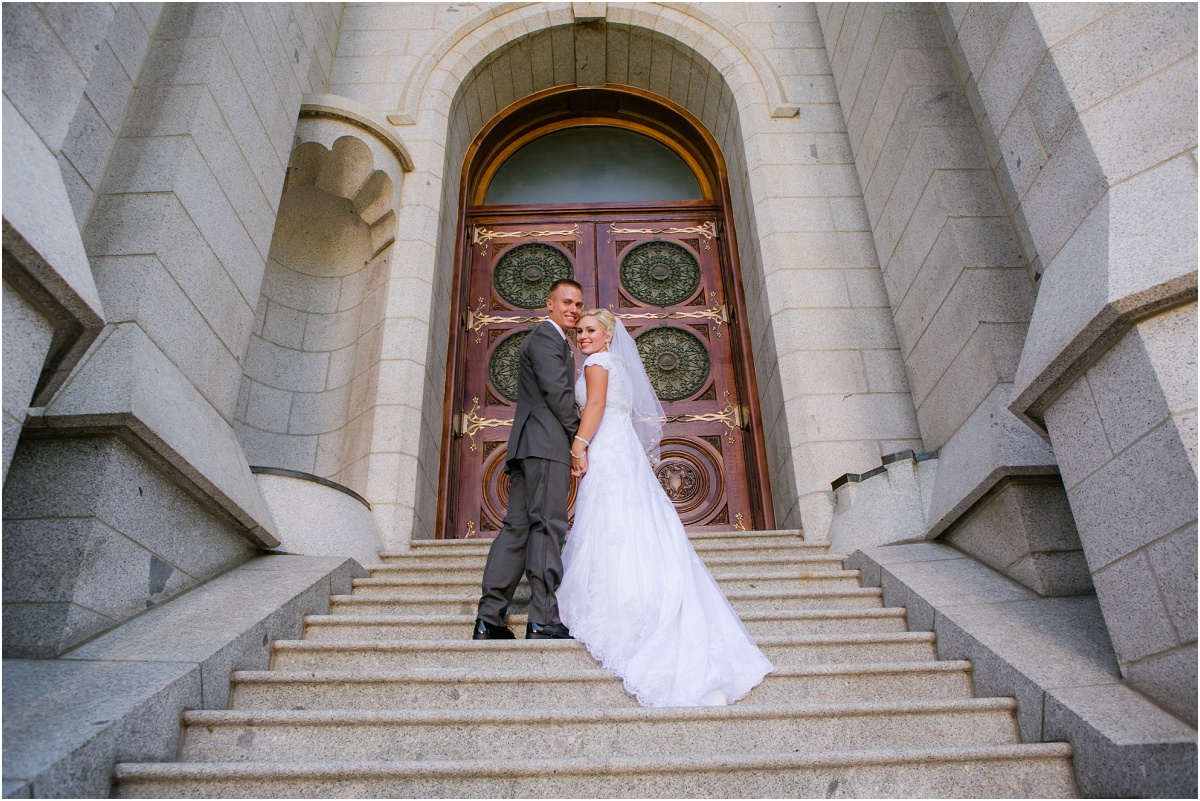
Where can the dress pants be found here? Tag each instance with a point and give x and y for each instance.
(530, 542)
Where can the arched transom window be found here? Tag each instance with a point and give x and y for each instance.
(593, 164)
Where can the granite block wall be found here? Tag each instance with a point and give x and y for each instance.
(93, 535)
(194, 183)
(960, 286)
(169, 130)
(1089, 112)
(26, 344)
(97, 120)
(1126, 432)
(49, 56)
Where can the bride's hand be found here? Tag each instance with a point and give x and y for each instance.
(579, 465)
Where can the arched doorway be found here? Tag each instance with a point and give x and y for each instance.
(627, 194)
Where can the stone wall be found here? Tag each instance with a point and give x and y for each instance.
(322, 394)
(961, 286)
(174, 183)
(26, 345)
(97, 121)
(49, 290)
(1125, 433)
(94, 535)
(1090, 111)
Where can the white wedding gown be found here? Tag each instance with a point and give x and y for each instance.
(633, 589)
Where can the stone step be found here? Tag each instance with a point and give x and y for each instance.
(697, 538)
(763, 543)
(777, 579)
(561, 689)
(539, 655)
(743, 601)
(391, 735)
(731, 565)
(1039, 770)
(451, 627)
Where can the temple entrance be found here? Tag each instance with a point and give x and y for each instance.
(647, 239)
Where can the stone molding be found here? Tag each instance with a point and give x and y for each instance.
(318, 517)
(465, 47)
(883, 512)
(858, 478)
(130, 388)
(343, 109)
(259, 470)
(342, 172)
(990, 446)
(49, 265)
(1104, 329)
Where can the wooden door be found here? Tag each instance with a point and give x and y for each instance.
(663, 275)
(512, 265)
(663, 278)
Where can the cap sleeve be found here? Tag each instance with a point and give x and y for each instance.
(601, 359)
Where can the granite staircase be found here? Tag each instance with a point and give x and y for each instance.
(388, 697)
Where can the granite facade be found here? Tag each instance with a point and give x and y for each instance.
(229, 236)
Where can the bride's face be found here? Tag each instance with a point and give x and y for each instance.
(591, 336)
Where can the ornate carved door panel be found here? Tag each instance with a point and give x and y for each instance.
(664, 277)
(513, 265)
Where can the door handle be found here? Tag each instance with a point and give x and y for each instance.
(468, 424)
(734, 416)
(476, 320)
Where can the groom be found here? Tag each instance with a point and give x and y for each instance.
(539, 467)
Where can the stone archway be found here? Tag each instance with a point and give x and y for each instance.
(789, 243)
(633, 56)
(712, 441)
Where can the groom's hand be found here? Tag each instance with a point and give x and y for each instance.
(579, 465)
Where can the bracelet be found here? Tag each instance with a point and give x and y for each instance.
(575, 455)
(585, 442)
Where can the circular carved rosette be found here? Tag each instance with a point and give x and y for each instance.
(676, 362)
(495, 490)
(660, 273)
(524, 274)
(690, 473)
(504, 365)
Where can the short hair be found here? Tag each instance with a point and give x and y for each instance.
(607, 319)
(563, 282)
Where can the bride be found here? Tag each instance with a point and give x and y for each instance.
(633, 589)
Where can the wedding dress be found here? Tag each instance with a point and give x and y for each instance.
(634, 592)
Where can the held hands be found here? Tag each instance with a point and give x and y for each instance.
(579, 460)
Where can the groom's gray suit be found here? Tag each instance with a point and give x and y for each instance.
(539, 466)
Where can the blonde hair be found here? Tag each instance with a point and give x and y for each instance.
(607, 319)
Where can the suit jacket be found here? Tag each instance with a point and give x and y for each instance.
(546, 419)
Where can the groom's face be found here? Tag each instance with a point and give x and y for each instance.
(565, 305)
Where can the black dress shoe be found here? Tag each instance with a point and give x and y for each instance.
(547, 631)
(486, 631)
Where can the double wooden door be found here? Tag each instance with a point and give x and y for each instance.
(663, 276)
